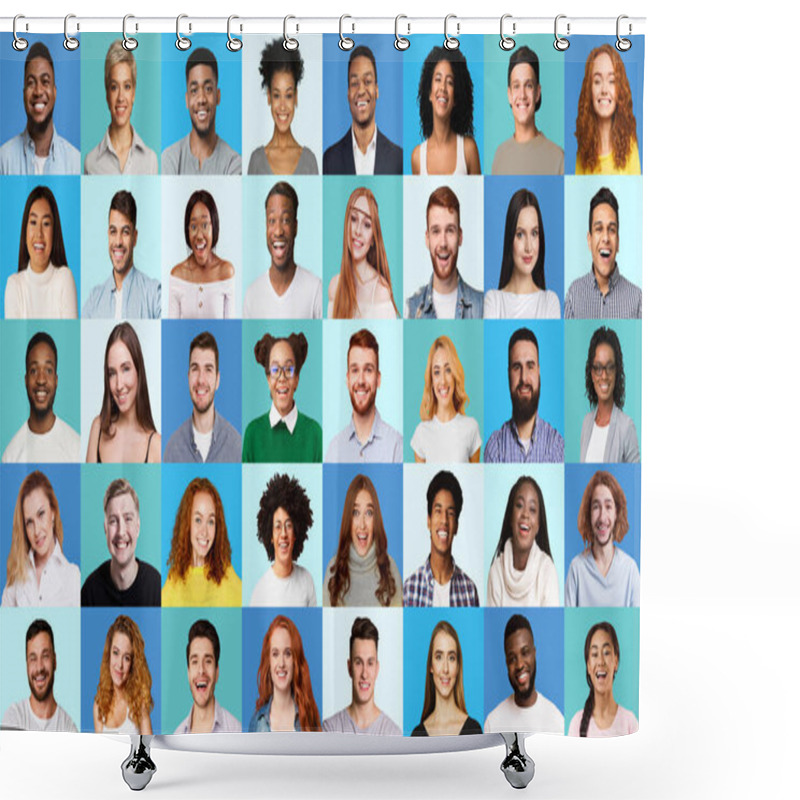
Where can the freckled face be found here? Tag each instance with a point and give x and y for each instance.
(203, 527)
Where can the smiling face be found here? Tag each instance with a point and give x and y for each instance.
(203, 378)
(202, 99)
(360, 229)
(123, 380)
(282, 99)
(444, 664)
(281, 231)
(361, 526)
(443, 522)
(604, 370)
(120, 94)
(443, 90)
(443, 238)
(39, 520)
(122, 529)
(603, 240)
(443, 381)
(604, 88)
(523, 94)
(362, 91)
(603, 662)
(203, 671)
(603, 515)
(525, 250)
(524, 518)
(39, 234)
(524, 379)
(283, 538)
(281, 386)
(203, 529)
(39, 92)
(120, 659)
(281, 660)
(122, 238)
(41, 379)
(521, 663)
(201, 233)
(363, 378)
(363, 667)
(40, 659)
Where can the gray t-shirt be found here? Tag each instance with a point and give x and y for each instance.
(539, 156)
(342, 722)
(177, 159)
(20, 716)
(259, 165)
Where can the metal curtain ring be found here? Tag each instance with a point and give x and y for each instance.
(400, 42)
(289, 42)
(450, 42)
(19, 43)
(345, 43)
(623, 45)
(181, 42)
(234, 44)
(70, 42)
(560, 44)
(128, 42)
(506, 42)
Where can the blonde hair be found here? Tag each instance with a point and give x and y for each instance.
(117, 54)
(460, 397)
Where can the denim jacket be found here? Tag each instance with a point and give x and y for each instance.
(469, 302)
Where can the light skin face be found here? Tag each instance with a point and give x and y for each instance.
(281, 660)
(202, 671)
(39, 234)
(203, 378)
(443, 90)
(603, 515)
(203, 529)
(123, 380)
(523, 373)
(201, 233)
(443, 522)
(361, 527)
(523, 94)
(363, 668)
(521, 663)
(120, 94)
(444, 664)
(524, 518)
(281, 231)
(604, 88)
(525, 249)
(442, 379)
(120, 659)
(283, 538)
(603, 241)
(122, 238)
(363, 378)
(282, 387)
(41, 379)
(282, 99)
(603, 662)
(122, 529)
(362, 91)
(39, 519)
(443, 238)
(604, 373)
(39, 93)
(202, 98)
(41, 664)
(360, 229)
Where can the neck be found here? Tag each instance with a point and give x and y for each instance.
(203, 718)
(41, 424)
(603, 415)
(604, 704)
(445, 413)
(203, 421)
(124, 576)
(281, 279)
(525, 427)
(526, 702)
(282, 570)
(525, 132)
(364, 134)
(442, 566)
(520, 284)
(281, 140)
(446, 707)
(119, 277)
(42, 137)
(520, 557)
(602, 282)
(202, 146)
(39, 267)
(603, 555)
(363, 423)
(43, 709)
(442, 132)
(363, 714)
(446, 285)
(604, 129)
(282, 700)
(121, 137)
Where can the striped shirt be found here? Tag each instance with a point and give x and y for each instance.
(584, 299)
(418, 588)
(504, 446)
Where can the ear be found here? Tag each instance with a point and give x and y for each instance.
(460, 236)
(538, 98)
(135, 237)
(378, 385)
(589, 239)
(217, 385)
(219, 96)
(349, 668)
(187, 99)
(508, 92)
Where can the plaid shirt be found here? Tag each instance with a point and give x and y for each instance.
(418, 588)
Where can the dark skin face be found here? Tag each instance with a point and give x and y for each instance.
(521, 665)
(41, 382)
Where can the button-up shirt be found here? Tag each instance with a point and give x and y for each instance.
(365, 162)
(469, 302)
(290, 420)
(141, 298)
(504, 446)
(224, 721)
(418, 588)
(584, 300)
(383, 444)
(18, 156)
(60, 584)
(103, 160)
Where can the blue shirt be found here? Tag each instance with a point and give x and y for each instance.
(505, 447)
(226, 444)
(469, 302)
(418, 588)
(141, 298)
(259, 722)
(586, 586)
(18, 156)
(383, 444)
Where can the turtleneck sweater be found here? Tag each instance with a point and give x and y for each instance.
(364, 579)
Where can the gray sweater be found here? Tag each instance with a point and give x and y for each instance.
(364, 578)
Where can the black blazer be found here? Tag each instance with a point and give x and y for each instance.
(338, 158)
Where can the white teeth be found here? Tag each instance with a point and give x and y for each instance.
(38, 106)
(605, 253)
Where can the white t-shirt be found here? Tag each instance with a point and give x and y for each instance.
(20, 716)
(542, 717)
(445, 304)
(441, 594)
(302, 300)
(498, 304)
(47, 295)
(202, 441)
(58, 445)
(597, 443)
(296, 590)
(456, 440)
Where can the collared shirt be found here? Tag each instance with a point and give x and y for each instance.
(141, 298)
(365, 162)
(259, 722)
(469, 302)
(290, 420)
(384, 444)
(418, 588)
(224, 721)
(584, 299)
(546, 445)
(178, 159)
(103, 159)
(226, 444)
(18, 156)
(60, 584)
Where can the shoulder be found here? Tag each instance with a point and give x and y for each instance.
(226, 270)
(92, 157)
(311, 424)
(258, 164)
(415, 155)
(305, 277)
(62, 276)
(471, 726)
(470, 147)
(178, 270)
(307, 165)
(383, 292)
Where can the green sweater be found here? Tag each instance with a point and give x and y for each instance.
(264, 444)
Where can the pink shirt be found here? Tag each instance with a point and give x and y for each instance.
(624, 723)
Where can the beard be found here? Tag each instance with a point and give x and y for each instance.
(370, 403)
(524, 409)
(39, 128)
(526, 694)
(46, 692)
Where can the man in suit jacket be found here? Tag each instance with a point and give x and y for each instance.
(363, 150)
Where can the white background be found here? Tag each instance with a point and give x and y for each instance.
(720, 691)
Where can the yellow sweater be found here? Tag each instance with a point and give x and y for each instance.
(606, 165)
(197, 590)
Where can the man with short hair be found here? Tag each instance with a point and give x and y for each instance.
(367, 438)
(363, 150)
(123, 580)
(447, 295)
(603, 293)
(206, 437)
(201, 151)
(39, 150)
(439, 582)
(362, 715)
(202, 666)
(285, 290)
(525, 710)
(43, 437)
(39, 711)
(526, 437)
(127, 293)
(528, 151)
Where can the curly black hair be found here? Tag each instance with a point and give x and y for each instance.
(276, 58)
(461, 120)
(606, 336)
(286, 493)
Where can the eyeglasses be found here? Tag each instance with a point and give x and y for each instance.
(275, 371)
(599, 369)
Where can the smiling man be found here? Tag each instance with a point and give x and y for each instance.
(206, 437)
(43, 437)
(286, 290)
(526, 710)
(39, 150)
(439, 581)
(447, 295)
(603, 293)
(127, 293)
(202, 667)
(201, 151)
(363, 150)
(362, 715)
(39, 711)
(367, 438)
(123, 580)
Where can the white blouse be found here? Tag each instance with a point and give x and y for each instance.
(60, 584)
(189, 300)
